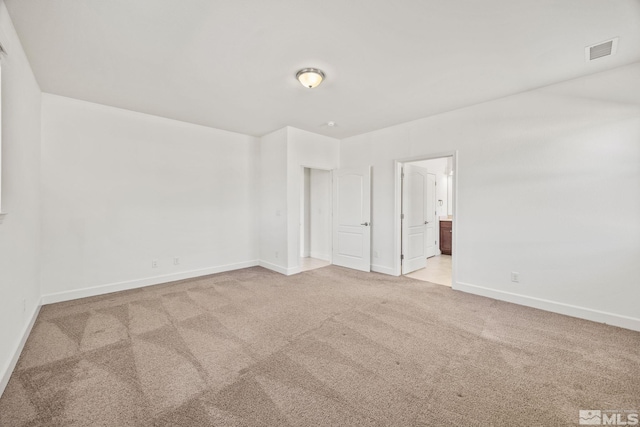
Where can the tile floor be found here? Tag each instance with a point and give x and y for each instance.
(312, 263)
(438, 271)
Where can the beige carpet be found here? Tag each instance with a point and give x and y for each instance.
(327, 347)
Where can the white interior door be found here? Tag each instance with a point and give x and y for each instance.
(414, 218)
(431, 216)
(352, 218)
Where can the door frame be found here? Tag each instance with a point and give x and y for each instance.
(330, 207)
(397, 227)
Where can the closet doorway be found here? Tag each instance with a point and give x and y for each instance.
(315, 219)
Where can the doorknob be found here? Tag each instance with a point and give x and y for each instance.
(366, 224)
(426, 222)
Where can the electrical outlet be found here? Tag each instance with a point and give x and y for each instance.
(276, 254)
(515, 276)
(176, 260)
(154, 263)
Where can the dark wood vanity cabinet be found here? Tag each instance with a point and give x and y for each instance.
(445, 237)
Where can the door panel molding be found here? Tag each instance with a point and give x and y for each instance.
(414, 221)
(352, 218)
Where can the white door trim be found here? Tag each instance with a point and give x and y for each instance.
(397, 228)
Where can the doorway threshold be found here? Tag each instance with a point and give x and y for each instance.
(308, 263)
(438, 271)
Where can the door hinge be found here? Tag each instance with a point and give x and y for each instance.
(401, 257)
(401, 216)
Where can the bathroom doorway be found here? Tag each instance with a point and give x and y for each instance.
(426, 219)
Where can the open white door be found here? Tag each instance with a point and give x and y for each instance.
(414, 218)
(352, 218)
(431, 216)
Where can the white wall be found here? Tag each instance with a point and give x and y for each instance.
(20, 229)
(120, 189)
(434, 166)
(283, 156)
(550, 161)
(273, 196)
(304, 149)
(320, 208)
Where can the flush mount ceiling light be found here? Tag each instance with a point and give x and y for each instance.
(310, 77)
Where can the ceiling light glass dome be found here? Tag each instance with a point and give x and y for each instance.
(310, 77)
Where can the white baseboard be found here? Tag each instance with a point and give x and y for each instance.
(139, 283)
(318, 255)
(279, 268)
(273, 267)
(8, 369)
(553, 306)
(382, 269)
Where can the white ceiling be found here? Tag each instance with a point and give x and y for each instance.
(230, 64)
